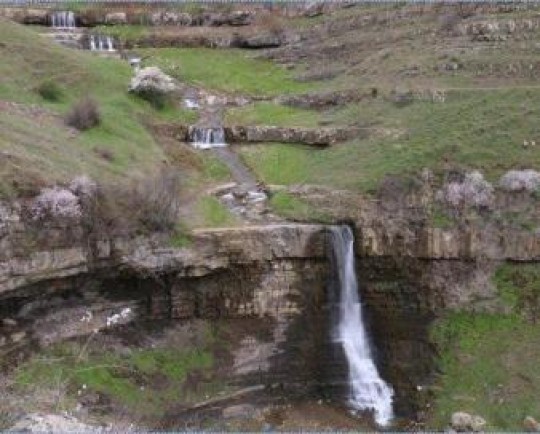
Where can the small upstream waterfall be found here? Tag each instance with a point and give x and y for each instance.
(367, 390)
(101, 43)
(63, 20)
(206, 138)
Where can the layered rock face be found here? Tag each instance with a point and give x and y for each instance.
(266, 283)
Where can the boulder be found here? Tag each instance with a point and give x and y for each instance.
(246, 411)
(115, 18)
(240, 18)
(36, 16)
(152, 80)
(260, 40)
(530, 424)
(465, 422)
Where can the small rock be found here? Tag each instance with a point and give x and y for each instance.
(462, 422)
(115, 18)
(530, 424)
(17, 337)
(239, 411)
(478, 423)
(8, 322)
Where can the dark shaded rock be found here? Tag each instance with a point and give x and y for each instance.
(259, 40)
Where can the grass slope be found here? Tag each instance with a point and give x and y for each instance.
(41, 149)
(489, 362)
(225, 70)
(473, 129)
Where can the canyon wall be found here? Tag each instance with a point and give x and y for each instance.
(267, 286)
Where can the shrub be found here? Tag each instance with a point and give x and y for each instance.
(83, 115)
(520, 180)
(55, 203)
(157, 201)
(49, 91)
(83, 186)
(472, 190)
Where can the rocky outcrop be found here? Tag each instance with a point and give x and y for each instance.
(52, 423)
(324, 100)
(90, 17)
(306, 136)
(115, 18)
(214, 250)
(272, 134)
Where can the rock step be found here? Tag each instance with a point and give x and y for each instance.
(273, 134)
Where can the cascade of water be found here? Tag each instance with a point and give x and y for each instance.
(367, 390)
(206, 138)
(101, 43)
(63, 20)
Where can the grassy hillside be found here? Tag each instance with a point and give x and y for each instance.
(471, 129)
(489, 362)
(41, 149)
(226, 70)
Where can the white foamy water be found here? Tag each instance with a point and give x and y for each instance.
(101, 43)
(63, 20)
(368, 391)
(206, 138)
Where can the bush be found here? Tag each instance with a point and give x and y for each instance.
(471, 191)
(83, 115)
(55, 203)
(520, 180)
(49, 91)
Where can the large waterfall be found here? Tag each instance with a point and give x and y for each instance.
(367, 390)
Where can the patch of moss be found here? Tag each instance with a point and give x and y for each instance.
(128, 380)
(518, 286)
(440, 219)
(213, 213)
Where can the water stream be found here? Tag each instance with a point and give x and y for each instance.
(206, 138)
(63, 20)
(367, 390)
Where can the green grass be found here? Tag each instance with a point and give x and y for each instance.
(295, 208)
(44, 151)
(225, 70)
(266, 113)
(441, 219)
(481, 130)
(518, 286)
(124, 32)
(489, 366)
(213, 214)
(129, 380)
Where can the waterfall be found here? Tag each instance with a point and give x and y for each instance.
(100, 43)
(63, 20)
(367, 390)
(206, 138)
